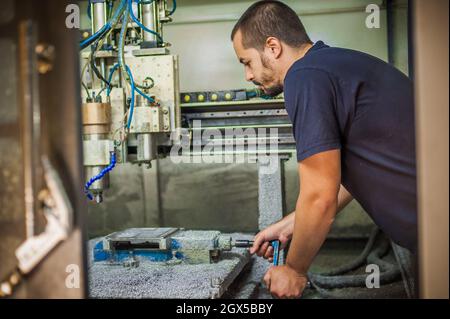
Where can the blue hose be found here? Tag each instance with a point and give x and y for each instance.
(100, 33)
(100, 175)
(110, 7)
(111, 73)
(174, 7)
(118, 12)
(127, 69)
(122, 36)
(97, 35)
(133, 88)
(108, 90)
(121, 63)
(144, 95)
(89, 9)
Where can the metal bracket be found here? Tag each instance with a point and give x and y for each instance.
(58, 213)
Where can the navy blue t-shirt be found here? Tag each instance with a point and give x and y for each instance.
(344, 99)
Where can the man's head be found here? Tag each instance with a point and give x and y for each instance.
(266, 39)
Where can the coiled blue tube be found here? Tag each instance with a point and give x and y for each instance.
(100, 175)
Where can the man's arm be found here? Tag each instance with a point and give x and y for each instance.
(316, 207)
(283, 229)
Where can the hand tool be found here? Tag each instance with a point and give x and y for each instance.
(244, 243)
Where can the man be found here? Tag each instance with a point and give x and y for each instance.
(353, 122)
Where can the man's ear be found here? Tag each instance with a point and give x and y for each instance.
(273, 47)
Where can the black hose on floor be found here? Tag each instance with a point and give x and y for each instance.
(389, 272)
(358, 293)
(357, 262)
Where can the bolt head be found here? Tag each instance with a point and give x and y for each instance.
(216, 281)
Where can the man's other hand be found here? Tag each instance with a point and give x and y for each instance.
(285, 282)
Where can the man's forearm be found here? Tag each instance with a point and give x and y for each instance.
(344, 198)
(313, 219)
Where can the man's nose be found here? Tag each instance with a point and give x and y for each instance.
(249, 76)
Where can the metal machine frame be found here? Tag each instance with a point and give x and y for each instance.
(134, 54)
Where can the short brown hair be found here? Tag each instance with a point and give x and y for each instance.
(265, 19)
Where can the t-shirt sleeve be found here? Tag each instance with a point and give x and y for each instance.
(310, 100)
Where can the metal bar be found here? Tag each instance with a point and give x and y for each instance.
(148, 19)
(279, 151)
(232, 114)
(161, 219)
(249, 102)
(240, 126)
(98, 13)
(251, 141)
(30, 110)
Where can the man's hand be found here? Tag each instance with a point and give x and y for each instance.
(281, 230)
(285, 282)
